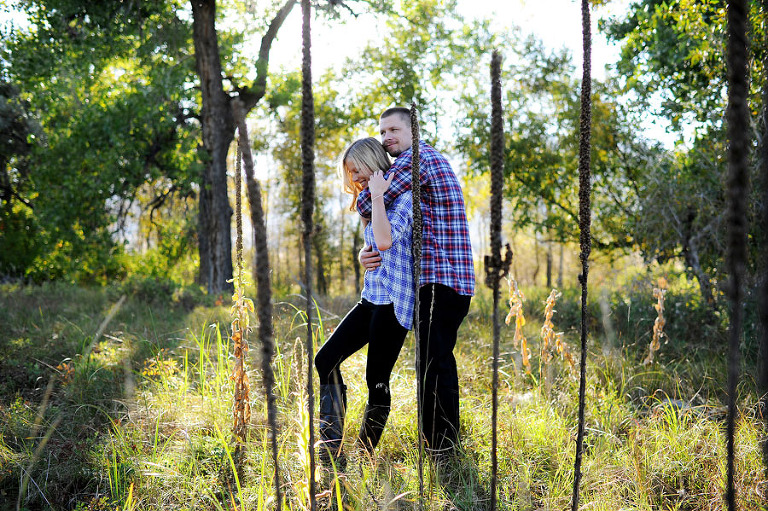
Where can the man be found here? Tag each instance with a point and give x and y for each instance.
(447, 272)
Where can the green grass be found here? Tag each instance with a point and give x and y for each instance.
(144, 420)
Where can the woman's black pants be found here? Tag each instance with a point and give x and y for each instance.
(366, 323)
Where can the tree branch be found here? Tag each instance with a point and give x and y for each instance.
(253, 94)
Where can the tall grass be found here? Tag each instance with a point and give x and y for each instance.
(653, 433)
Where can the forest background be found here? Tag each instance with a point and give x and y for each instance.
(116, 158)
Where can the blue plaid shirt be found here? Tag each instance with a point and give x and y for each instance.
(392, 282)
(446, 250)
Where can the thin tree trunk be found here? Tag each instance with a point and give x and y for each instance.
(321, 282)
(549, 264)
(307, 212)
(342, 238)
(264, 290)
(585, 232)
(737, 117)
(691, 257)
(536, 258)
(763, 350)
(300, 253)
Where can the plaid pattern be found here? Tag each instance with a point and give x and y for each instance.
(392, 282)
(446, 249)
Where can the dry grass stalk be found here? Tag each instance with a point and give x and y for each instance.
(516, 301)
(241, 307)
(658, 324)
(242, 407)
(552, 342)
(564, 351)
(547, 334)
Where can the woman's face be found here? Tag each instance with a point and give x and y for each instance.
(358, 175)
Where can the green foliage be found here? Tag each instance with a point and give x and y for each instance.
(18, 229)
(673, 56)
(542, 108)
(673, 65)
(108, 83)
(429, 54)
(690, 322)
(74, 257)
(171, 254)
(18, 233)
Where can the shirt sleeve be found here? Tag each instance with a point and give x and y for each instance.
(401, 216)
(401, 183)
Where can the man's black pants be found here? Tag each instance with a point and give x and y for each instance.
(438, 326)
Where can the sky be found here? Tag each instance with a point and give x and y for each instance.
(557, 23)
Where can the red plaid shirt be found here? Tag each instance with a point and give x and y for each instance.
(446, 256)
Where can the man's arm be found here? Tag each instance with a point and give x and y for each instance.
(368, 258)
(400, 183)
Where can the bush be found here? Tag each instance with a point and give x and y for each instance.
(157, 290)
(690, 322)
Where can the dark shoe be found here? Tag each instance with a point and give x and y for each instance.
(374, 420)
(333, 406)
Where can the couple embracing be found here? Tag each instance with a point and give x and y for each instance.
(382, 196)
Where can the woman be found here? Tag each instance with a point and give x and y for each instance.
(384, 314)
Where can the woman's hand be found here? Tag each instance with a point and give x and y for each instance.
(377, 185)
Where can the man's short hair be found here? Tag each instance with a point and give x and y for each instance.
(404, 113)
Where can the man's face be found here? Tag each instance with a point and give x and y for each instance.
(395, 134)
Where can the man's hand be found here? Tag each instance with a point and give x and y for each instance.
(368, 258)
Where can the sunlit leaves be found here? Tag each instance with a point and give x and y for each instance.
(541, 115)
(111, 83)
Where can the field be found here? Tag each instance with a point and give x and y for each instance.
(118, 398)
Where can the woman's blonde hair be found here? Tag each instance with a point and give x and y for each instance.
(364, 153)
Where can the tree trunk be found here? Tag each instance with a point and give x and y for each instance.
(342, 237)
(536, 253)
(691, 255)
(549, 264)
(300, 255)
(321, 283)
(214, 229)
(215, 214)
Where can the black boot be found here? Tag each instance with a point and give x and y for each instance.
(333, 405)
(374, 419)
